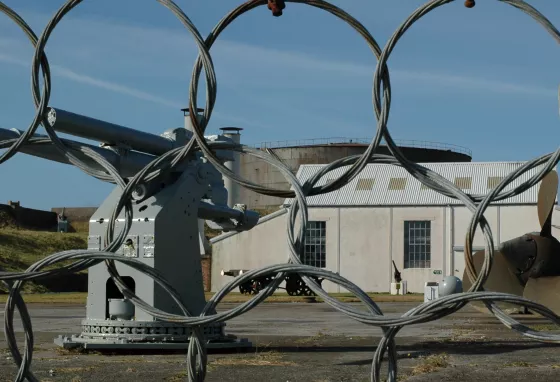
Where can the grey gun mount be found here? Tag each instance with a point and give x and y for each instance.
(129, 151)
(165, 233)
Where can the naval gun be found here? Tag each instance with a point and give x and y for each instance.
(165, 233)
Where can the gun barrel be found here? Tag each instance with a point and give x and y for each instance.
(45, 151)
(210, 211)
(247, 219)
(106, 132)
(127, 165)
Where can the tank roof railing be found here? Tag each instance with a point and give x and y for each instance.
(362, 141)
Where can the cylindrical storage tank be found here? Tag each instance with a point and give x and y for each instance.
(235, 165)
(325, 151)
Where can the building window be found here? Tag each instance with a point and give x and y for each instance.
(365, 184)
(493, 181)
(417, 244)
(464, 183)
(397, 183)
(315, 253)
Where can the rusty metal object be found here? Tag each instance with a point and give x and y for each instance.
(276, 6)
(547, 263)
(532, 256)
(520, 254)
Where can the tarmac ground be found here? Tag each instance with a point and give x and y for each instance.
(306, 342)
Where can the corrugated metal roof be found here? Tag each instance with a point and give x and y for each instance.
(477, 176)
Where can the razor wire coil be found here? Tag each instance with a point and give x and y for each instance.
(381, 99)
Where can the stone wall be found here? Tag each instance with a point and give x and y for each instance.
(27, 218)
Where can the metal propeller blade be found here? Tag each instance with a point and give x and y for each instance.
(543, 284)
(544, 291)
(501, 279)
(546, 200)
(528, 265)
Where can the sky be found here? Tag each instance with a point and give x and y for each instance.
(484, 78)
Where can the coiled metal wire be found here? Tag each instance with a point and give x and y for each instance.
(381, 99)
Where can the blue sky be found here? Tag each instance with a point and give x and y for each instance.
(485, 78)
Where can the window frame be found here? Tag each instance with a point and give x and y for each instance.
(315, 252)
(417, 242)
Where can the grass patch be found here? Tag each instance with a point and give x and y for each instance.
(544, 327)
(317, 337)
(75, 351)
(461, 334)
(19, 249)
(79, 226)
(177, 377)
(63, 370)
(268, 358)
(400, 378)
(431, 364)
(51, 298)
(519, 364)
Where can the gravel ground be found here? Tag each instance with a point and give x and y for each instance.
(307, 342)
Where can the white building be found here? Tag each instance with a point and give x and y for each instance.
(383, 215)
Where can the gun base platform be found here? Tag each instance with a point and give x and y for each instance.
(157, 335)
(78, 341)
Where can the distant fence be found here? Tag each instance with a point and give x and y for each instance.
(28, 218)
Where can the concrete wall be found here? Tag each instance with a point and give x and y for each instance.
(362, 242)
(265, 245)
(364, 248)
